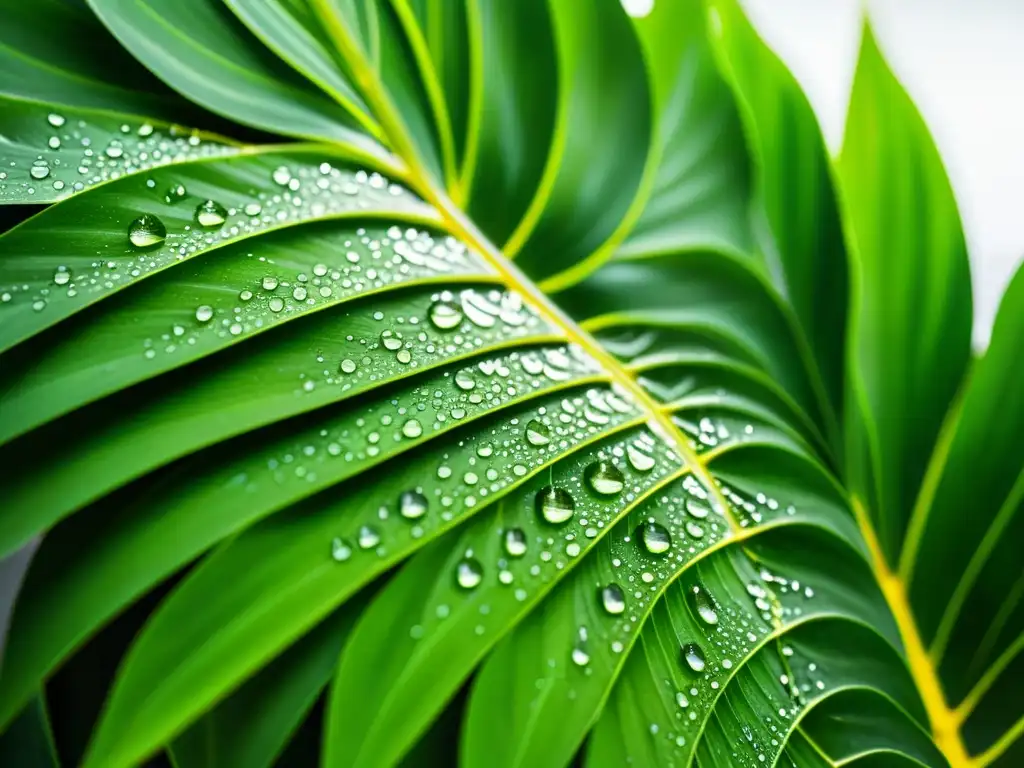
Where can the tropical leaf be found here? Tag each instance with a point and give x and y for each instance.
(508, 383)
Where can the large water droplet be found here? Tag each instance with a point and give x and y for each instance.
(368, 537)
(146, 231)
(55, 120)
(469, 573)
(445, 314)
(412, 504)
(204, 313)
(703, 605)
(341, 550)
(40, 170)
(555, 504)
(61, 276)
(515, 542)
(537, 433)
(640, 461)
(694, 657)
(464, 380)
(697, 509)
(390, 341)
(613, 600)
(605, 478)
(412, 428)
(211, 214)
(655, 538)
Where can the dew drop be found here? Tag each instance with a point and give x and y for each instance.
(269, 283)
(694, 657)
(694, 530)
(412, 505)
(696, 509)
(613, 599)
(445, 315)
(412, 428)
(537, 433)
(347, 366)
(146, 231)
(390, 341)
(464, 380)
(655, 538)
(368, 537)
(681, 700)
(469, 573)
(640, 461)
(210, 214)
(555, 505)
(204, 313)
(341, 550)
(515, 542)
(282, 175)
(703, 605)
(580, 655)
(605, 478)
(276, 304)
(40, 170)
(55, 120)
(175, 193)
(299, 293)
(62, 276)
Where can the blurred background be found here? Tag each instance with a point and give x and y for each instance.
(963, 63)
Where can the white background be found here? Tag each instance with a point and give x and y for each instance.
(963, 63)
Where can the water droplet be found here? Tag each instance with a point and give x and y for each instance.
(269, 283)
(276, 304)
(605, 478)
(204, 313)
(368, 537)
(696, 509)
(55, 120)
(515, 542)
(537, 433)
(390, 341)
(681, 700)
(464, 380)
(580, 656)
(62, 276)
(38, 305)
(469, 573)
(299, 293)
(703, 605)
(145, 130)
(412, 428)
(210, 214)
(245, 295)
(54, 142)
(613, 600)
(282, 175)
(555, 505)
(40, 170)
(347, 366)
(694, 657)
(640, 461)
(694, 530)
(114, 150)
(412, 504)
(341, 550)
(445, 315)
(404, 356)
(175, 193)
(147, 231)
(655, 537)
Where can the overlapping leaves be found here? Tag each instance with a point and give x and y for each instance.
(313, 454)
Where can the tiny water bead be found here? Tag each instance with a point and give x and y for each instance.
(147, 231)
(655, 538)
(341, 550)
(555, 505)
(538, 433)
(412, 505)
(469, 573)
(445, 315)
(368, 537)
(605, 478)
(580, 654)
(613, 599)
(693, 655)
(210, 214)
(175, 193)
(515, 542)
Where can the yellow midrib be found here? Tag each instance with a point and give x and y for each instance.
(943, 719)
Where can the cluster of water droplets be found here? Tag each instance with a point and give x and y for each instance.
(477, 469)
(80, 153)
(300, 191)
(366, 260)
(707, 432)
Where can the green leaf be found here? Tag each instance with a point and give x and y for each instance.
(252, 727)
(28, 741)
(911, 310)
(633, 498)
(803, 244)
